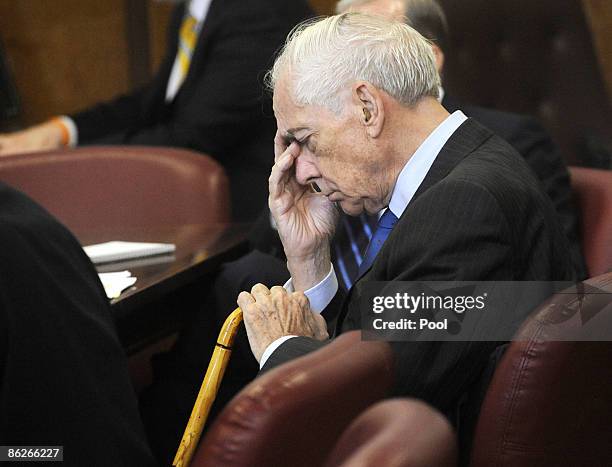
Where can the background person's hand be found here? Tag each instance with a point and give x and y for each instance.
(271, 314)
(305, 220)
(43, 137)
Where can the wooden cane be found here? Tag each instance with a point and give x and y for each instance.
(208, 390)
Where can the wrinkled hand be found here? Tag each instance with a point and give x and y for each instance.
(305, 220)
(43, 137)
(271, 314)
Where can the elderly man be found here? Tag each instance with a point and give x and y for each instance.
(365, 126)
(524, 133)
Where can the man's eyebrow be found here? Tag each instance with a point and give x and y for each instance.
(289, 135)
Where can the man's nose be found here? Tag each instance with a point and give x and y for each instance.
(305, 171)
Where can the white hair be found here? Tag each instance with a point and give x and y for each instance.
(325, 56)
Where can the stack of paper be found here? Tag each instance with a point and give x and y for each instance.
(116, 282)
(120, 251)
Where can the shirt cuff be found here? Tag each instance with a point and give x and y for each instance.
(321, 294)
(271, 348)
(73, 132)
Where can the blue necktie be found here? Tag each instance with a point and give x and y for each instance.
(385, 224)
(352, 238)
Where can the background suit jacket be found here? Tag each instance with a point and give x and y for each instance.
(532, 141)
(63, 373)
(221, 109)
(479, 214)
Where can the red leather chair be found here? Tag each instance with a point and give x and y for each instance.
(548, 404)
(294, 414)
(397, 433)
(124, 186)
(593, 193)
(550, 399)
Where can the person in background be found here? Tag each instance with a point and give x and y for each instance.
(207, 95)
(63, 373)
(523, 132)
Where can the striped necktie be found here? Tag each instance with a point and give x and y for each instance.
(350, 243)
(385, 224)
(188, 37)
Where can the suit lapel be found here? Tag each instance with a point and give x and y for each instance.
(154, 103)
(173, 30)
(462, 142)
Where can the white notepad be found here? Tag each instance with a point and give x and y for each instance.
(120, 251)
(116, 282)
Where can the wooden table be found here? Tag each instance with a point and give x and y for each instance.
(152, 307)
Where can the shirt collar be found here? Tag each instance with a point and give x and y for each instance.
(415, 170)
(199, 9)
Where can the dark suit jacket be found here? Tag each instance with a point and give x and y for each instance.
(478, 215)
(63, 373)
(532, 142)
(221, 109)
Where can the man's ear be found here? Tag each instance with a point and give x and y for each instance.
(370, 107)
(439, 56)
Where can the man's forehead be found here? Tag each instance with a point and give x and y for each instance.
(282, 100)
(289, 116)
(289, 122)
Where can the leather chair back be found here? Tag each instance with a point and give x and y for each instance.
(397, 433)
(550, 399)
(293, 414)
(127, 186)
(593, 193)
(533, 57)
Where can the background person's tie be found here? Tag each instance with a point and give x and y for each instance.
(385, 224)
(188, 37)
(350, 243)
